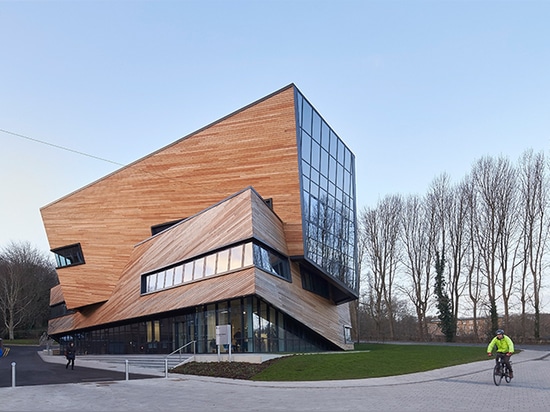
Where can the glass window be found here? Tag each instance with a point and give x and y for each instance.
(324, 163)
(151, 282)
(347, 334)
(329, 189)
(315, 155)
(223, 313)
(306, 148)
(248, 255)
(333, 144)
(169, 279)
(315, 176)
(68, 256)
(178, 275)
(306, 117)
(332, 169)
(299, 100)
(306, 172)
(198, 270)
(188, 272)
(236, 257)
(220, 262)
(210, 265)
(271, 262)
(348, 163)
(316, 134)
(325, 138)
(160, 279)
(223, 261)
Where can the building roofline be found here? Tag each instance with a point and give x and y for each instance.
(291, 85)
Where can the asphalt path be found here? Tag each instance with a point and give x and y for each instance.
(30, 370)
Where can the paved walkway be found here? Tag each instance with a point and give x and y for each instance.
(459, 388)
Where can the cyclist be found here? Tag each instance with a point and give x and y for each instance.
(505, 349)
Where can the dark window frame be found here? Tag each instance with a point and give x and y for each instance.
(70, 255)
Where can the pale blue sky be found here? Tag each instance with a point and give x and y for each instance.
(415, 88)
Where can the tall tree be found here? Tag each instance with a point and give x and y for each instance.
(494, 185)
(451, 209)
(445, 315)
(418, 237)
(382, 226)
(534, 202)
(471, 259)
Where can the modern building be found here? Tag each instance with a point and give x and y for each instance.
(248, 222)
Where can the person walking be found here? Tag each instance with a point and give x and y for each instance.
(505, 349)
(70, 354)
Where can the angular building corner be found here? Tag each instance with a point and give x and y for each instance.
(248, 222)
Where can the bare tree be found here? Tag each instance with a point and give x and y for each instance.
(418, 236)
(26, 277)
(452, 207)
(534, 199)
(471, 260)
(495, 183)
(381, 229)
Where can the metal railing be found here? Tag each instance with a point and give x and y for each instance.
(176, 351)
(179, 350)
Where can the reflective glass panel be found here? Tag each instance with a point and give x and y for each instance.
(198, 270)
(223, 261)
(169, 279)
(329, 190)
(236, 257)
(248, 256)
(210, 265)
(188, 272)
(178, 275)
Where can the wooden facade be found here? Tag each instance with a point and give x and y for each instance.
(216, 180)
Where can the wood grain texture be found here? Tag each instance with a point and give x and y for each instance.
(205, 178)
(56, 295)
(238, 218)
(224, 224)
(255, 146)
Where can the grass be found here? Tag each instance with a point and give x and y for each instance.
(367, 361)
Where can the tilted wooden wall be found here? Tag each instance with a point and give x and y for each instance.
(255, 146)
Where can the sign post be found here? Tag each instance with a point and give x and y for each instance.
(223, 337)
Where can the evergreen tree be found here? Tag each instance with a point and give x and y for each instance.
(445, 313)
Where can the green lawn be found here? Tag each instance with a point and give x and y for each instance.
(369, 361)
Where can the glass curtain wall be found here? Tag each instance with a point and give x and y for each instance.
(328, 196)
(256, 326)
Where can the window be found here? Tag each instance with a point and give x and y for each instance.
(163, 226)
(271, 262)
(328, 184)
(68, 256)
(347, 334)
(217, 263)
(314, 283)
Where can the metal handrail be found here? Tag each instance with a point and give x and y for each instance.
(183, 347)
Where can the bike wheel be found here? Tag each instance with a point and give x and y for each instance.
(497, 375)
(507, 375)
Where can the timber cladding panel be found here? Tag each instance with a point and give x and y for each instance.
(56, 295)
(308, 308)
(255, 146)
(223, 224)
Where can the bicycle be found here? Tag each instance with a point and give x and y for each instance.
(501, 371)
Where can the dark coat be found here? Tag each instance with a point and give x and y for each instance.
(70, 352)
